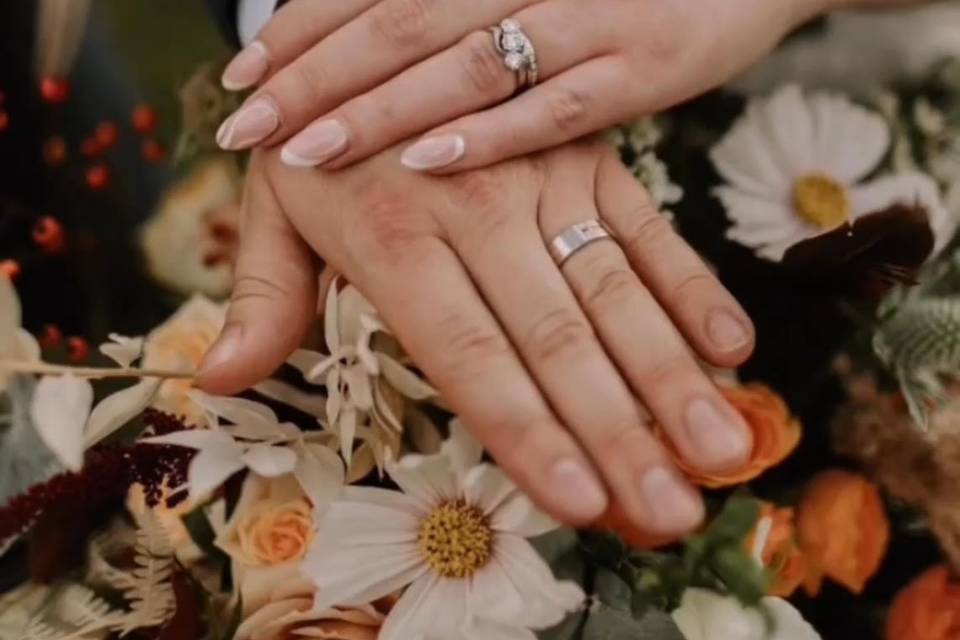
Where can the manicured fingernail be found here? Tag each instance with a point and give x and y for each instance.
(726, 331)
(223, 351)
(673, 505)
(719, 441)
(583, 494)
(248, 126)
(246, 68)
(434, 153)
(315, 145)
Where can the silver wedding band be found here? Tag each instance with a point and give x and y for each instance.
(518, 51)
(575, 237)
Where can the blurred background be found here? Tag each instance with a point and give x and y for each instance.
(90, 114)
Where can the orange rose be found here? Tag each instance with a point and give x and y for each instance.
(928, 609)
(616, 521)
(774, 543)
(775, 435)
(843, 530)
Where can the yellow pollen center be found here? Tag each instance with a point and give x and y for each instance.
(456, 540)
(822, 201)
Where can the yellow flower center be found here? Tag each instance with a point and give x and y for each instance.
(456, 540)
(821, 201)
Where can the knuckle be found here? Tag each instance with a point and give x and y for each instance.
(621, 442)
(402, 23)
(386, 229)
(470, 345)
(650, 228)
(569, 109)
(557, 332)
(612, 287)
(482, 66)
(249, 287)
(667, 372)
(691, 283)
(479, 189)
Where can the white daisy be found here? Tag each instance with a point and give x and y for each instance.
(794, 166)
(706, 615)
(455, 538)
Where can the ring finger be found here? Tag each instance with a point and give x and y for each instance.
(640, 336)
(558, 345)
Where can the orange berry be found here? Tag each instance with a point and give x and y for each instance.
(98, 177)
(49, 236)
(144, 119)
(107, 134)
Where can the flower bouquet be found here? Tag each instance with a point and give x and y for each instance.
(342, 500)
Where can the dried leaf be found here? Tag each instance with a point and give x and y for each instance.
(269, 461)
(59, 412)
(117, 409)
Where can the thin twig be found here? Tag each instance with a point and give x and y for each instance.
(42, 368)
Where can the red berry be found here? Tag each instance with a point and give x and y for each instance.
(54, 90)
(55, 151)
(49, 236)
(144, 119)
(77, 349)
(153, 151)
(4, 121)
(98, 177)
(107, 134)
(52, 337)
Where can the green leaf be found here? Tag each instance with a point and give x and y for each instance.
(612, 591)
(569, 629)
(735, 521)
(607, 623)
(561, 550)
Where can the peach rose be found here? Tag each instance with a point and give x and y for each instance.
(281, 608)
(179, 344)
(271, 525)
(775, 435)
(843, 530)
(928, 609)
(773, 542)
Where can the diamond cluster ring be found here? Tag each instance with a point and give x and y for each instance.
(519, 54)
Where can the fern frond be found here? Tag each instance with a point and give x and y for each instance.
(74, 612)
(150, 595)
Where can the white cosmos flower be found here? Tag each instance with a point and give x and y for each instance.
(455, 538)
(794, 166)
(706, 615)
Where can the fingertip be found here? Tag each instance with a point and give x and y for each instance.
(730, 338)
(218, 372)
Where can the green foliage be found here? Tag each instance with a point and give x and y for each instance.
(632, 591)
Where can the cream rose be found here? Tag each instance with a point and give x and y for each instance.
(179, 344)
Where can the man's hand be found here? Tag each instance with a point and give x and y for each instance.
(544, 365)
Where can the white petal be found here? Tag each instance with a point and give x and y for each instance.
(518, 515)
(320, 473)
(767, 227)
(489, 630)
(908, 189)
(270, 461)
(487, 487)
(211, 467)
(362, 575)
(122, 350)
(788, 623)
(432, 607)
(547, 599)
(426, 479)
(238, 411)
(377, 519)
(494, 596)
(119, 408)
(404, 380)
(409, 618)
(786, 122)
(464, 451)
(59, 411)
(850, 140)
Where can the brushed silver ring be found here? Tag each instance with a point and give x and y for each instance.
(575, 237)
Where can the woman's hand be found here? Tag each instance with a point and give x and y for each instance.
(349, 78)
(544, 364)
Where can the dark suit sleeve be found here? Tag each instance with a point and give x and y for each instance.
(225, 14)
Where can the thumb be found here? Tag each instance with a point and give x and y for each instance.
(274, 297)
